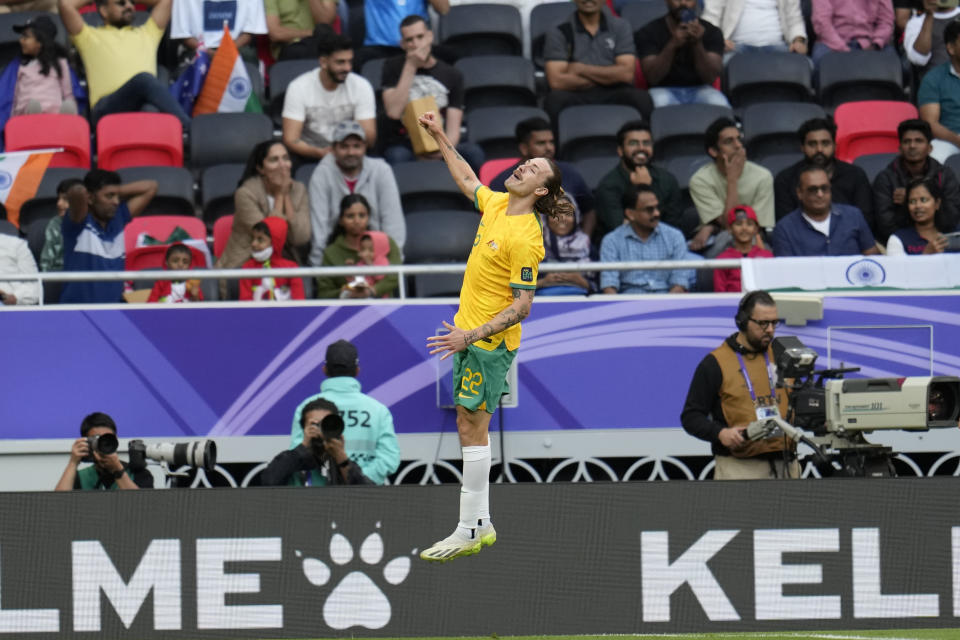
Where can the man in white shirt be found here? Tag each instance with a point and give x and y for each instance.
(758, 25)
(200, 22)
(15, 257)
(317, 100)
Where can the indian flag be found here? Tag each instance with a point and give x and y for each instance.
(227, 88)
(20, 175)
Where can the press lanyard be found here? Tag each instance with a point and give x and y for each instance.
(746, 378)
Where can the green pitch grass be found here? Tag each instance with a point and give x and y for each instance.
(896, 634)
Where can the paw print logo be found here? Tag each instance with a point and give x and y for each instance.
(356, 600)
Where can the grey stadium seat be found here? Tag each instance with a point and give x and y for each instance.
(590, 131)
(678, 130)
(874, 163)
(860, 75)
(427, 185)
(217, 185)
(43, 205)
(771, 127)
(768, 77)
(497, 81)
(482, 30)
(175, 193)
(220, 138)
(493, 128)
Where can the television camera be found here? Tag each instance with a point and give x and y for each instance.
(839, 411)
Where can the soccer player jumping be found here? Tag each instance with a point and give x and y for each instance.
(498, 288)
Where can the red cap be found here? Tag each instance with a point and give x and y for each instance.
(740, 212)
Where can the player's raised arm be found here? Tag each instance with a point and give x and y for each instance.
(462, 174)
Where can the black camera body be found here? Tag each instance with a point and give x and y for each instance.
(105, 444)
(331, 427)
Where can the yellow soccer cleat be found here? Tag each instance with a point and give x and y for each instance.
(452, 547)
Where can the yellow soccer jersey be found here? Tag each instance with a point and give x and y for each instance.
(506, 255)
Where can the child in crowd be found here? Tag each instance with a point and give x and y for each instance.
(747, 243)
(177, 258)
(51, 256)
(564, 241)
(266, 243)
(43, 79)
(373, 249)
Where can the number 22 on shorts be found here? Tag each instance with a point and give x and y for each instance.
(471, 381)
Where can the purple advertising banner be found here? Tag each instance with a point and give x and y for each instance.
(219, 371)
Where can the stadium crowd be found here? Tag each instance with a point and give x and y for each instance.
(684, 130)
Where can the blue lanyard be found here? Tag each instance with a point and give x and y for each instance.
(746, 378)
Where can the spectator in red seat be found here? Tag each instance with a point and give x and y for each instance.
(591, 59)
(177, 258)
(93, 238)
(344, 248)
(43, 79)
(847, 25)
(267, 238)
(925, 235)
(758, 25)
(747, 243)
(915, 161)
(681, 57)
(120, 59)
(267, 189)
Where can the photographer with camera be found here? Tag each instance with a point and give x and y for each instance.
(370, 438)
(321, 458)
(733, 386)
(98, 444)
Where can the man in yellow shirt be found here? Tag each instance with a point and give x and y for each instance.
(120, 59)
(498, 289)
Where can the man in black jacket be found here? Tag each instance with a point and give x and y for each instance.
(320, 459)
(848, 182)
(889, 187)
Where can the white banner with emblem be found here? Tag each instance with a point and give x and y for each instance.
(940, 271)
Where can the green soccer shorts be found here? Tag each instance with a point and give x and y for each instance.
(480, 377)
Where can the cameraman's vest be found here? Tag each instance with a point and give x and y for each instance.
(88, 478)
(735, 402)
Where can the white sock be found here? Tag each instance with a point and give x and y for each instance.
(475, 492)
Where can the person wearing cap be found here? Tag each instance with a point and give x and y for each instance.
(644, 238)
(729, 180)
(349, 170)
(821, 227)
(747, 243)
(733, 386)
(417, 73)
(43, 80)
(848, 182)
(120, 59)
(368, 434)
(317, 100)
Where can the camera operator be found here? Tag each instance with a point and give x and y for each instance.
(321, 458)
(107, 470)
(733, 386)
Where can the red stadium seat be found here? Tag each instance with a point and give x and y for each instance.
(152, 257)
(139, 140)
(492, 168)
(221, 233)
(51, 130)
(870, 127)
(160, 228)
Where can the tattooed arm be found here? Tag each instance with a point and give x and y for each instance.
(458, 339)
(462, 174)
